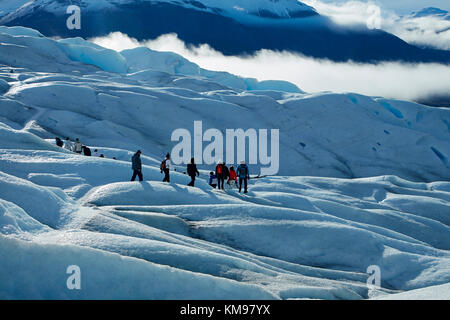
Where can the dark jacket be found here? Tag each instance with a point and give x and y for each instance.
(136, 162)
(226, 172)
(59, 142)
(87, 151)
(192, 170)
(242, 171)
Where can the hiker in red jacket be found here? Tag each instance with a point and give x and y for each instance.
(220, 173)
(232, 180)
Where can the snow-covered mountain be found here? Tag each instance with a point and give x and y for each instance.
(290, 237)
(431, 12)
(235, 8)
(232, 27)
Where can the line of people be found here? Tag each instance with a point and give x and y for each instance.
(136, 166)
(216, 179)
(78, 147)
(222, 173)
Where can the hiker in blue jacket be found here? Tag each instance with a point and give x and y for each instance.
(212, 180)
(136, 166)
(244, 175)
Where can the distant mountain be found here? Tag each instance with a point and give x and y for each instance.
(431, 11)
(238, 9)
(231, 27)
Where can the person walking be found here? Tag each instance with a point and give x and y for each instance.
(192, 172)
(220, 175)
(59, 142)
(244, 176)
(232, 180)
(78, 147)
(165, 167)
(87, 151)
(212, 180)
(68, 145)
(226, 171)
(136, 166)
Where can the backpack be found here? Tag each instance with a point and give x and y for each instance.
(219, 169)
(243, 171)
(163, 165)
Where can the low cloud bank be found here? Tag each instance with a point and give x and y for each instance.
(391, 80)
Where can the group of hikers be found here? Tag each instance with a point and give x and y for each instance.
(222, 173)
(216, 179)
(77, 147)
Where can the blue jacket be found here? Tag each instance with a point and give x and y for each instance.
(212, 179)
(136, 163)
(243, 172)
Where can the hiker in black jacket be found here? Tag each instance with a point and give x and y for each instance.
(136, 166)
(192, 172)
(59, 142)
(86, 151)
(226, 171)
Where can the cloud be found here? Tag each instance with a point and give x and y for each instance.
(348, 13)
(391, 80)
(424, 31)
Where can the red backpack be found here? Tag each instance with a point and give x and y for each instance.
(219, 169)
(163, 165)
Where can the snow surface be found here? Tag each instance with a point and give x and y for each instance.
(441, 292)
(291, 237)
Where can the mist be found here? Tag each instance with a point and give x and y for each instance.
(391, 80)
(427, 31)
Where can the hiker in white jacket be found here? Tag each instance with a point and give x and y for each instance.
(165, 167)
(78, 147)
(68, 145)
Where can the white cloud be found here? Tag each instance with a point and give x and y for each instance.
(424, 31)
(348, 13)
(400, 6)
(392, 80)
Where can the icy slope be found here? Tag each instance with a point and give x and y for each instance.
(441, 292)
(344, 135)
(290, 237)
(42, 269)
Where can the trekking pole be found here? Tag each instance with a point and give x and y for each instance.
(258, 177)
